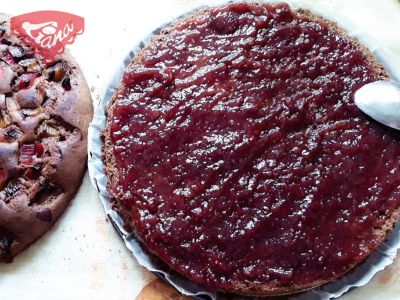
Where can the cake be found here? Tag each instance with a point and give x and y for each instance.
(236, 155)
(44, 115)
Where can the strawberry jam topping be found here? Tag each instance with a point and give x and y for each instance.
(242, 156)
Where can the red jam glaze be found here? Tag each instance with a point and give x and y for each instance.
(242, 156)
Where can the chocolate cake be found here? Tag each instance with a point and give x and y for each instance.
(44, 115)
(235, 153)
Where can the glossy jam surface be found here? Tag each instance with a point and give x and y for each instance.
(242, 156)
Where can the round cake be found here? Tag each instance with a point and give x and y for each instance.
(44, 115)
(235, 153)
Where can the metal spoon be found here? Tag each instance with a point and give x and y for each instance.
(381, 101)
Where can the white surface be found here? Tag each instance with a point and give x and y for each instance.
(82, 257)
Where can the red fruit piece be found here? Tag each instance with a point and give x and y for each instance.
(27, 79)
(30, 174)
(8, 59)
(39, 149)
(33, 172)
(27, 151)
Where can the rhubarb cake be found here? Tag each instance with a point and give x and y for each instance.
(235, 153)
(44, 115)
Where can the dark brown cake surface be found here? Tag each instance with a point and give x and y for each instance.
(44, 114)
(236, 153)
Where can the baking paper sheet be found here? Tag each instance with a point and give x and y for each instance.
(360, 276)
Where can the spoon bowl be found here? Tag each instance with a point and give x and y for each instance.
(381, 101)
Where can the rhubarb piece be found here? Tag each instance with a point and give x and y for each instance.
(33, 172)
(10, 134)
(45, 130)
(4, 119)
(31, 65)
(29, 152)
(56, 73)
(12, 104)
(26, 80)
(26, 154)
(32, 112)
